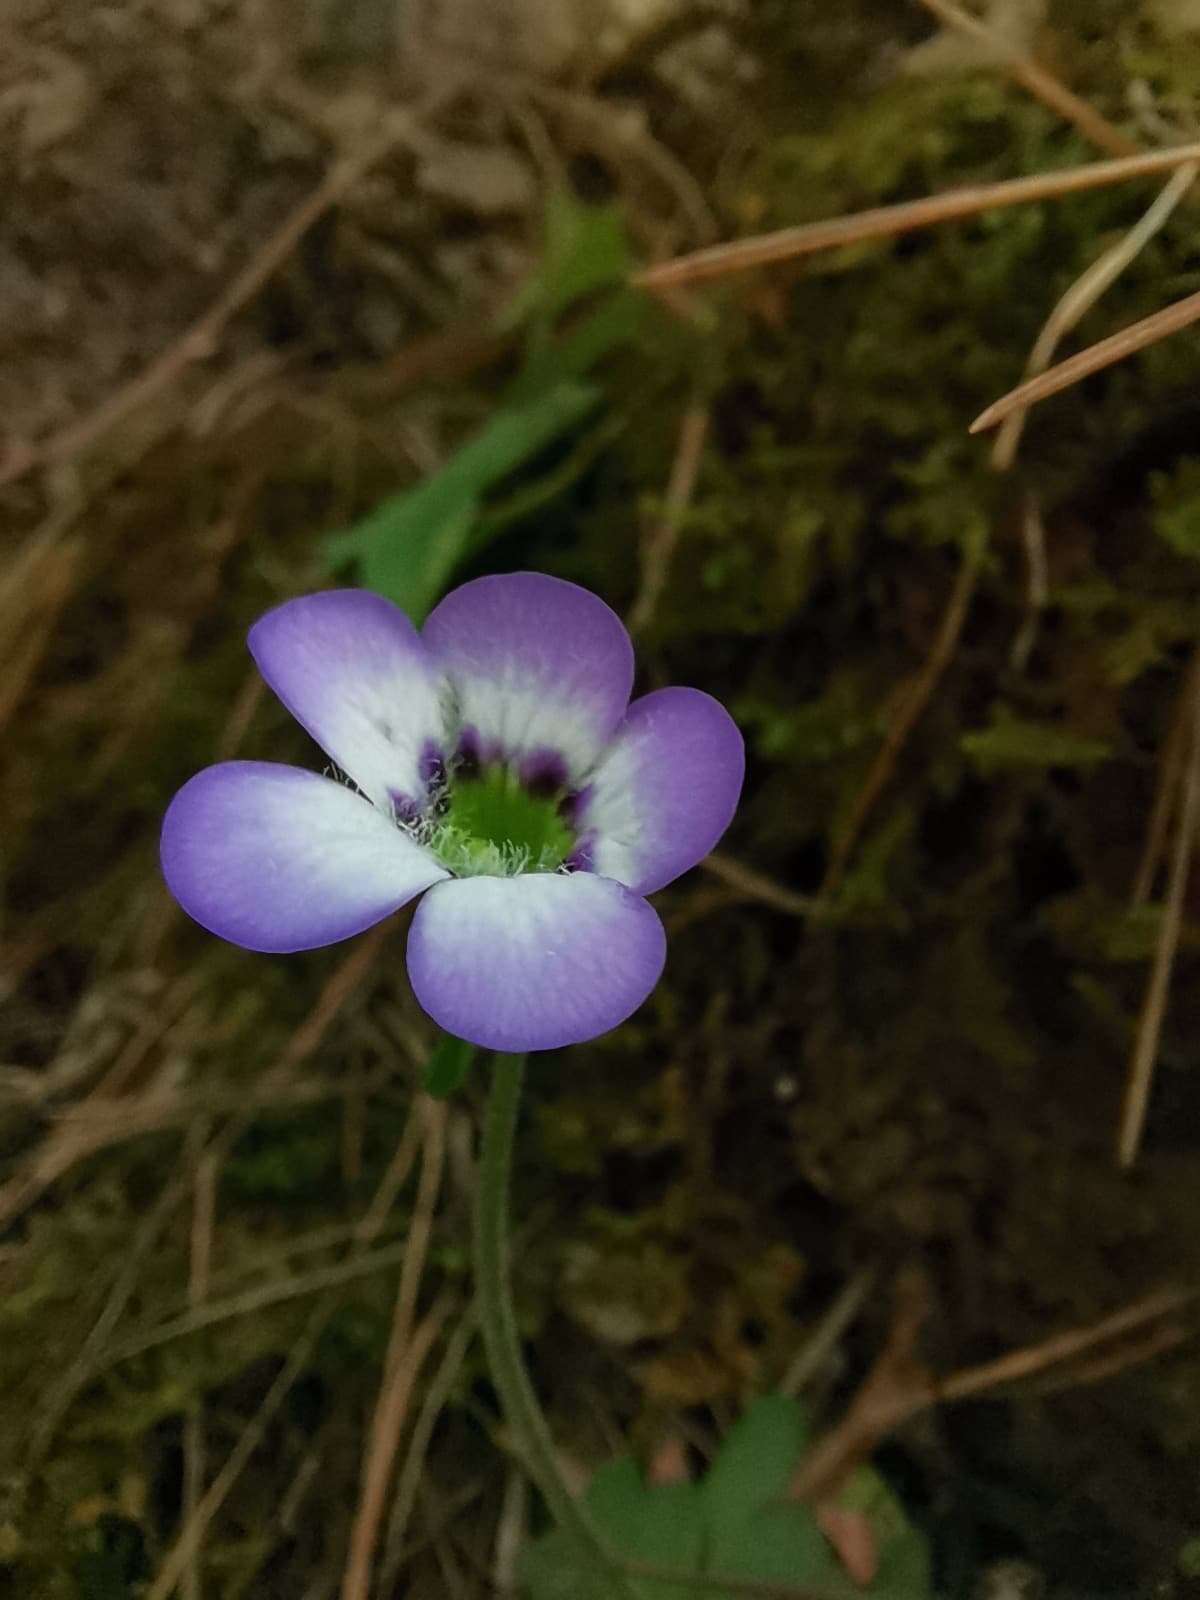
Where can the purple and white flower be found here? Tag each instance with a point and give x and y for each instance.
(495, 766)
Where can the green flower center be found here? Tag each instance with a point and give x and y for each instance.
(492, 826)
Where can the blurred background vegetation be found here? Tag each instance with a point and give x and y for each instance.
(299, 291)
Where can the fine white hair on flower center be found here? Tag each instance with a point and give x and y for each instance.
(482, 819)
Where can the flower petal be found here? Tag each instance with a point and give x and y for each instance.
(533, 962)
(352, 669)
(540, 666)
(277, 859)
(665, 790)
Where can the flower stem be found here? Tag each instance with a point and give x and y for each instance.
(498, 1321)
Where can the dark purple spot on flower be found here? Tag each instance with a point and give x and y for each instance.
(432, 765)
(404, 808)
(543, 774)
(573, 804)
(468, 758)
(582, 857)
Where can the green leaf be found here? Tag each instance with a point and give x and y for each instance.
(416, 549)
(447, 1067)
(752, 1468)
(1012, 742)
(753, 1530)
(661, 1524)
(614, 322)
(522, 502)
(518, 432)
(781, 1543)
(586, 248)
(1177, 508)
(409, 546)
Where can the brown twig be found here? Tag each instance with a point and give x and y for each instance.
(1040, 82)
(336, 990)
(199, 1272)
(1052, 1352)
(1159, 325)
(885, 222)
(69, 1143)
(1170, 770)
(252, 1435)
(906, 716)
(385, 1436)
(409, 1478)
(1084, 293)
(84, 1364)
(172, 1568)
(105, 1114)
(1145, 1049)
(250, 1302)
(752, 885)
(895, 1389)
(1108, 1366)
(401, 1362)
(898, 1387)
(658, 545)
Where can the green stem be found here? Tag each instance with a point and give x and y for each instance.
(497, 1318)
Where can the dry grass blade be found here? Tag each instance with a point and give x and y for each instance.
(896, 1388)
(175, 1562)
(385, 1435)
(204, 1196)
(401, 1362)
(436, 1396)
(105, 1115)
(1037, 584)
(1053, 1352)
(68, 1143)
(90, 1355)
(833, 1326)
(659, 544)
(899, 1386)
(1170, 771)
(1040, 82)
(1159, 325)
(273, 1293)
(886, 222)
(1108, 1366)
(751, 885)
(1084, 293)
(196, 1523)
(1145, 1049)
